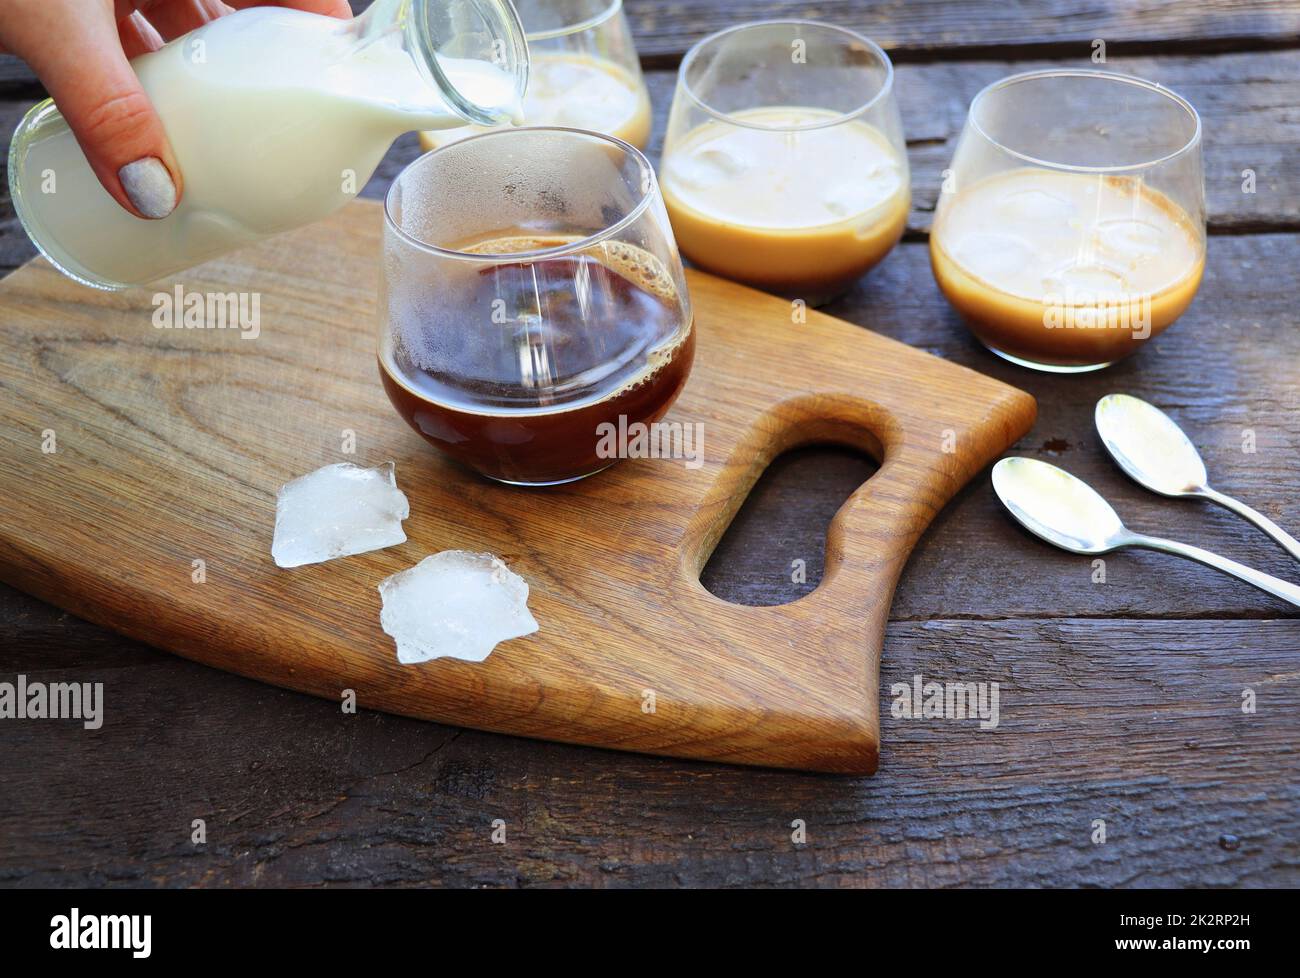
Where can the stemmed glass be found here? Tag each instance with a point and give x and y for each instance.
(1071, 226)
(533, 301)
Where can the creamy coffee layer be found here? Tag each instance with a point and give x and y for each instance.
(637, 265)
(1065, 269)
(801, 211)
(1037, 233)
(753, 171)
(579, 92)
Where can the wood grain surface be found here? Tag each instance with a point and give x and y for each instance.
(293, 793)
(1126, 696)
(928, 29)
(171, 446)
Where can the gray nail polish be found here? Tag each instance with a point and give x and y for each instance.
(149, 186)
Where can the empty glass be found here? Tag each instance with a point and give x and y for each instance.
(784, 162)
(1071, 227)
(533, 302)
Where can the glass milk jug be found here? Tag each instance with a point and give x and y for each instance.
(277, 118)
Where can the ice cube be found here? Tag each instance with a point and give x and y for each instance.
(456, 604)
(1035, 206)
(708, 168)
(337, 511)
(1080, 280)
(590, 113)
(993, 254)
(882, 181)
(595, 108)
(1131, 240)
(848, 199)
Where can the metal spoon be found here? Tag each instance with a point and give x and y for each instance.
(1068, 513)
(1154, 452)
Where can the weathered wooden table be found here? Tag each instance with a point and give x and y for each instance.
(1119, 701)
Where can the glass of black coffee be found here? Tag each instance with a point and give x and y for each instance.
(532, 295)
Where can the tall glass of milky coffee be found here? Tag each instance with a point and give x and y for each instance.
(784, 164)
(1071, 225)
(532, 302)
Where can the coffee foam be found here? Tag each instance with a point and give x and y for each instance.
(633, 263)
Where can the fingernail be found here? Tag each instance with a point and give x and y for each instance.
(149, 186)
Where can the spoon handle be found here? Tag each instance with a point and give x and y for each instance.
(1265, 582)
(1289, 543)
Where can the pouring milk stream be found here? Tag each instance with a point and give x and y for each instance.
(277, 118)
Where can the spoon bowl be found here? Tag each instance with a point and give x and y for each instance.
(1155, 453)
(1058, 507)
(1068, 513)
(1149, 446)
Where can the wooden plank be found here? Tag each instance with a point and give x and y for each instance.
(15, 247)
(17, 80)
(926, 29)
(1138, 723)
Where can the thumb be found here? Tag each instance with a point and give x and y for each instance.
(92, 83)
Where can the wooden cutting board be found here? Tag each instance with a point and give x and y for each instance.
(132, 452)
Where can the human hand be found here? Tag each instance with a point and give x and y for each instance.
(80, 49)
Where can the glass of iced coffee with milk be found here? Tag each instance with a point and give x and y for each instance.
(1071, 225)
(533, 302)
(784, 164)
(584, 74)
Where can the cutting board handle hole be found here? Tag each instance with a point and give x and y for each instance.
(751, 565)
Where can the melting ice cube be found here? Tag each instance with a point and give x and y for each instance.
(1036, 206)
(455, 604)
(993, 254)
(1131, 239)
(338, 511)
(709, 168)
(595, 108)
(1085, 281)
(848, 199)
